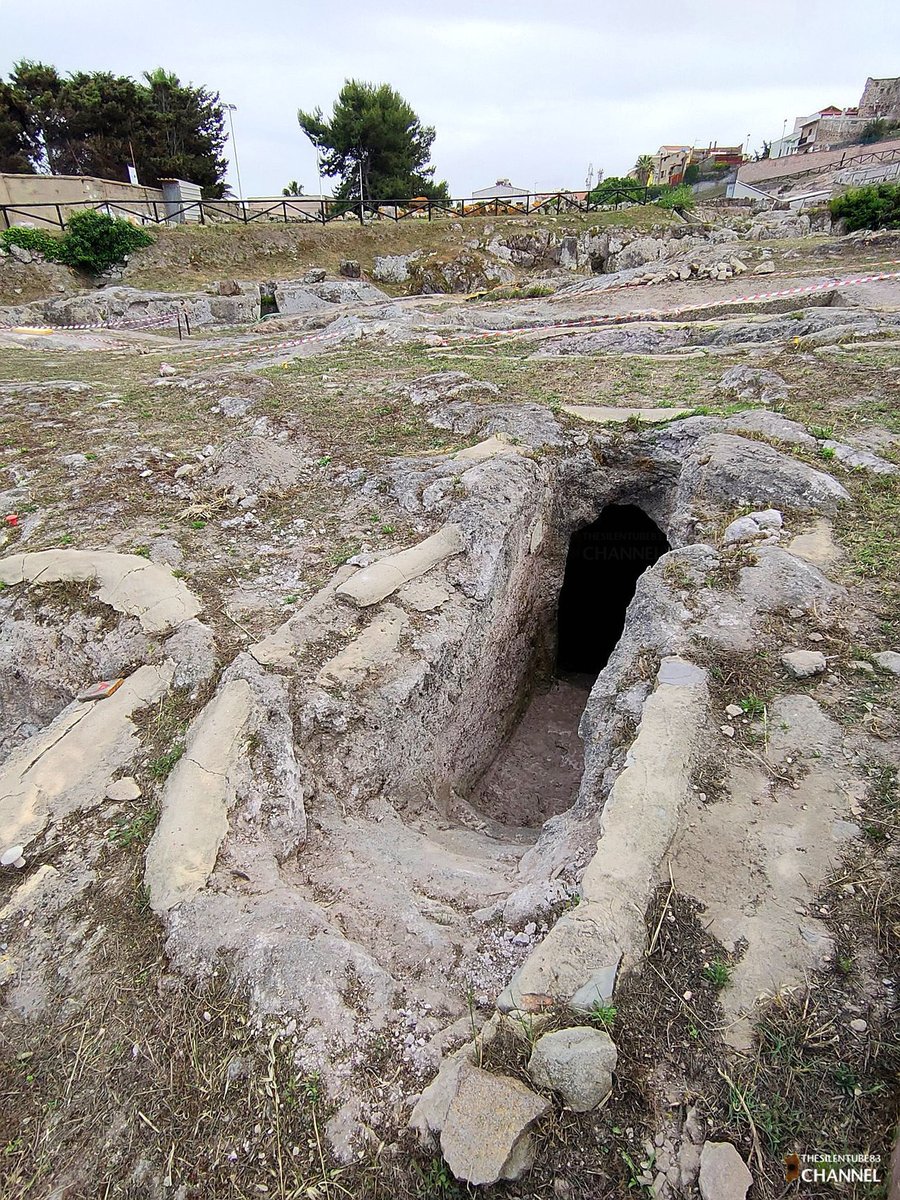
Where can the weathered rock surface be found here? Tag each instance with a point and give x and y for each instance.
(69, 765)
(127, 582)
(371, 584)
(195, 801)
(888, 660)
(578, 1063)
(753, 383)
(638, 823)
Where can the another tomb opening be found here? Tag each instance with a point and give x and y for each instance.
(604, 562)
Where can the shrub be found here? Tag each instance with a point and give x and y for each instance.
(617, 191)
(39, 241)
(94, 242)
(876, 206)
(677, 197)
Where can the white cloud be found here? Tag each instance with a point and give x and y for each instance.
(527, 89)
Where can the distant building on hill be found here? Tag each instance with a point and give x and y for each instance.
(501, 190)
(671, 162)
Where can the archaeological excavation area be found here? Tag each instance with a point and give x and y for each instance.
(448, 738)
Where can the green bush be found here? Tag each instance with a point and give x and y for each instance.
(39, 241)
(676, 197)
(94, 242)
(617, 191)
(876, 206)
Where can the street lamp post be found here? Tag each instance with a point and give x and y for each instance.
(232, 108)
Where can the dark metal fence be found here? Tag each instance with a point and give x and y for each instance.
(321, 212)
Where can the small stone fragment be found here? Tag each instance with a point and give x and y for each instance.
(803, 664)
(859, 1025)
(723, 1173)
(486, 1136)
(577, 1063)
(123, 789)
(889, 660)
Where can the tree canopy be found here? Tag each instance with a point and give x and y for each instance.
(93, 123)
(374, 133)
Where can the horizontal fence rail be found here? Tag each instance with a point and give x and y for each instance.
(321, 212)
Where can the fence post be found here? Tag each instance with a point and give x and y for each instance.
(362, 219)
(429, 209)
(59, 217)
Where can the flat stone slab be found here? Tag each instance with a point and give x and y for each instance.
(127, 582)
(196, 799)
(372, 584)
(601, 414)
(70, 764)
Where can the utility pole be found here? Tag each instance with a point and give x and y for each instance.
(232, 108)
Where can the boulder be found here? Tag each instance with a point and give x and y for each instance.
(889, 660)
(350, 269)
(723, 1173)
(766, 267)
(577, 1063)
(735, 472)
(392, 268)
(753, 383)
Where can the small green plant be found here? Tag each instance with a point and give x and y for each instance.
(312, 1087)
(132, 831)
(37, 241)
(752, 706)
(198, 524)
(677, 197)
(845, 964)
(718, 972)
(142, 551)
(436, 1181)
(603, 1015)
(160, 767)
(826, 452)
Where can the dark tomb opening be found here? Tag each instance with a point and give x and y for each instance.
(602, 569)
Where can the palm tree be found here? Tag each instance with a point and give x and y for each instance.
(293, 189)
(643, 168)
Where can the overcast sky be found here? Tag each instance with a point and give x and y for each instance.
(533, 90)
